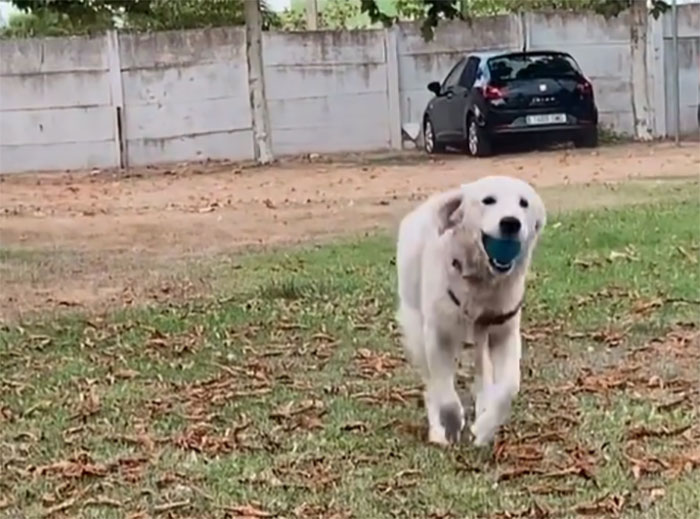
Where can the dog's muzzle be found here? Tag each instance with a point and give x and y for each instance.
(502, 252)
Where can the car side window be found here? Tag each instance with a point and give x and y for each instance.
(454, 75)
(469, 74)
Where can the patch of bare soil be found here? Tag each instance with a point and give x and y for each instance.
(90, 238)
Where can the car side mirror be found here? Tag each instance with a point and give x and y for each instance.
(434, 87)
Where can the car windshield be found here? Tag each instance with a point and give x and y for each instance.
(532, 66)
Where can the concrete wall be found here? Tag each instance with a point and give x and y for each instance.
(689, 64)
(327, 91)
(185, 96)
(55, 105)
(174, 96)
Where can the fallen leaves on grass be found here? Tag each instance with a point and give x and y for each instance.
(203, 438)
(400, 482)
(641, 431)
(163, 508)
(607, 505)
(313, 473)
(88, 403)
(247, 512)
(129, 467)
(67, 503)
(360, 427)
(550, 489)
(616, 377)
(160, 343)
(371, 365)
(680, 343)
(524, 459)
(315, 511)
(533, 511)
(391, 395)
(77, 468)
(302, 415)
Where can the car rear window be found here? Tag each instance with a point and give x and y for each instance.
(532, 66)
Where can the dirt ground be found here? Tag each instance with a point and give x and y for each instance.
(89, 238)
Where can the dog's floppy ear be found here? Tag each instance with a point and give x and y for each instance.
(450, 210)
(541, 216)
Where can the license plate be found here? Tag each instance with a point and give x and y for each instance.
(546, 119)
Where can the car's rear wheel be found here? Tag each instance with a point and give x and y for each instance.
(478, 143)
(587, 138)
(430, 142)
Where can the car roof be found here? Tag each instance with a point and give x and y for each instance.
(484, 55)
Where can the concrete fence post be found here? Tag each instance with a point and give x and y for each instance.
(642, 110)
(656, 64)
(393, 86)
(523, 30)
(117, 94)
(262, 137)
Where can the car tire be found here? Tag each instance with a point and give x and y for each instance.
(478, 142)
(587, 138)
(430, 143)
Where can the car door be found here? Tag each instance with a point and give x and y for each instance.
(462, 97)
(440, 111)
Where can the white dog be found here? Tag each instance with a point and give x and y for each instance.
(462, 257)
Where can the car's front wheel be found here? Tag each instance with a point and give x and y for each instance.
(478, 143)
(430, 142)
(587, 138)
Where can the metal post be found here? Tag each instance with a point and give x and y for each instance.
(676, 75)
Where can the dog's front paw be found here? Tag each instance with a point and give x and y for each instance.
(496, 402)
(437, 436)
(493, 398)
(452, 421)
(484, 430)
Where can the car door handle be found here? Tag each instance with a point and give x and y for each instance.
(450, 94)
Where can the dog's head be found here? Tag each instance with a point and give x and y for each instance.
(495, 220)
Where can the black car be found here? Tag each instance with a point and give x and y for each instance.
(490, 96)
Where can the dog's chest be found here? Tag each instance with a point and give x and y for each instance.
(477, 311)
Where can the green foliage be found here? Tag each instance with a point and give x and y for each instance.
(333, 14)
(64, 17)
(39, 23)
(432, 11)
(338, 14)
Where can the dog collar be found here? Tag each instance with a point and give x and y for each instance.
(488, 318)
(493, 319)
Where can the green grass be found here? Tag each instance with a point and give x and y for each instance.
(287, 391)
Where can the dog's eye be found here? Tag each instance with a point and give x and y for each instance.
(489, 200)
(524, 203)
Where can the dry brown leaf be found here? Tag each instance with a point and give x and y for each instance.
(169, 507)
(248, 512)
(103, 501)
(642, 431)
(611, 505)
(66, 504)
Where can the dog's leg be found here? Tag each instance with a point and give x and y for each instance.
(445, 412)
(411, 325)
(496, 398)
(483, 371)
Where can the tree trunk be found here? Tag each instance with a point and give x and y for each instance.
(262, 141)
(641, 105)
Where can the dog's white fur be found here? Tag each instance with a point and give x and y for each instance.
(439, 248)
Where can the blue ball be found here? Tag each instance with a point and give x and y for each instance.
(503, 251)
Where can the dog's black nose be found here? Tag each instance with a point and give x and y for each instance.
(509, 225)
